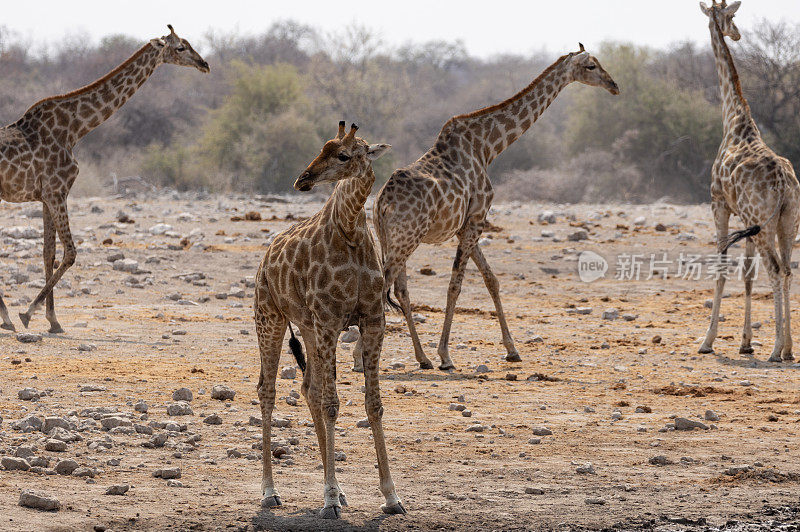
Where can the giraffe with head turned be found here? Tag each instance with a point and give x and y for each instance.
(447, 192)
(36, 160)
(324, 275)
(749, 180)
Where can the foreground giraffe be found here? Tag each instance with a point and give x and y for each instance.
(36, 161)
(749, 180)
(323, 274)
(447, 192)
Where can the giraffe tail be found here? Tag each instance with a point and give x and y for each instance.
(379, 229)
(738, 235)
(297, 350)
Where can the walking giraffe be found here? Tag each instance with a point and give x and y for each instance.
(36, 160)
(749, 180)
(324, 275)
(447, 192)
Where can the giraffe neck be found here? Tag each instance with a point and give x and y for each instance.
(80, 111)
(500, 125)
(349, 198)
(734, 104)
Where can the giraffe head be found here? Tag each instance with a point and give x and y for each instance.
(722, 14)
(586, 69)
(344, 156)
(178, 51)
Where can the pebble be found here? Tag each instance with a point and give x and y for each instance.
(466, 413)
(682, 423)
(363, 423)
(577, 236)
(66, 467)
(541, 431)
(339, 456)
(28, 394)
(586, 469)
(350, 335)
(595, 500)
(180, 408)
(172, 483)
(109, 423)
(168, 473)
(213, 419)
(288, 372)
(57, 446)
(222, 392)
(125, 265)
(157, 441)
(140, 406)
(482, 368)
(118, 489)
(38, 500)
(711, 415)
(610, 314)
(11, 463)
(534, 491)
(660, 460)
(182, 394)
(29, 338)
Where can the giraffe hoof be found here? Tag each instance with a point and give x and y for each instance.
(8, 326)
(425, 364)
(447, 367)
(788, 356)
(342, 499)
(705, 350)
(55, 328)
(331, 512)
(513, 357)
(746, 350)
(775, 357)
(25, 319)
(273, 501)
(358, 370)
(394, 509)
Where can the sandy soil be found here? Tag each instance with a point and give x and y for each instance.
(123, 334)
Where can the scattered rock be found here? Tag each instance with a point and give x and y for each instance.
(29, 338)
(28, 394)
(213, 419)
(222, 392)
(610, 314)
(288, 372)
(586, 469)
(682, 423)
(577, 236)
(182, 394)
(426, 271)
(57, 446)
(711, 415)
(660, 460)
(350, 335)
(38, 500)
(534, 491)
(482, 368)
(11, 463)
(66, 467)
(118, 489)
(168, 473)
(541, 431)
(181, 408)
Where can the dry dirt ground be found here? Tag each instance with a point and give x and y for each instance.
(142, 335)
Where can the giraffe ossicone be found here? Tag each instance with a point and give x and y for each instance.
(324, 275)
(36, 160)
(447, 192)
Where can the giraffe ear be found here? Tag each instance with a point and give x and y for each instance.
(704, 8)
(374, 151)
(731, 9)
(158, 43)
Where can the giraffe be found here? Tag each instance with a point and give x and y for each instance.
(324, 275)
(447, 192)
(749, 180)
(36, 160)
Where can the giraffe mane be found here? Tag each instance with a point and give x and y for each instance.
(737, 85)
(93, 85)
(518, 95)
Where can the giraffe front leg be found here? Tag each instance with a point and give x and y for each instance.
(721, 219)
(373, 340)
(325, 339)
(358, 363)
(467, 241)
(49, 255)
(58, 211)
(787, 232)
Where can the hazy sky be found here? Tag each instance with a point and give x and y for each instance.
(486, 27)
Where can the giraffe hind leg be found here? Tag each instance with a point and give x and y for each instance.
(49, 255)
(747, 329)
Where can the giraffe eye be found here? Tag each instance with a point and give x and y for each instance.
(343, 157)
(590, 67)
(180, 48)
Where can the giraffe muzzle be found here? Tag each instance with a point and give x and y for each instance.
(305, 182)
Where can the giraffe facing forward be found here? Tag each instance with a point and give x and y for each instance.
(36, 160)
(447, 192)
(749, 180)
(324, 275)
